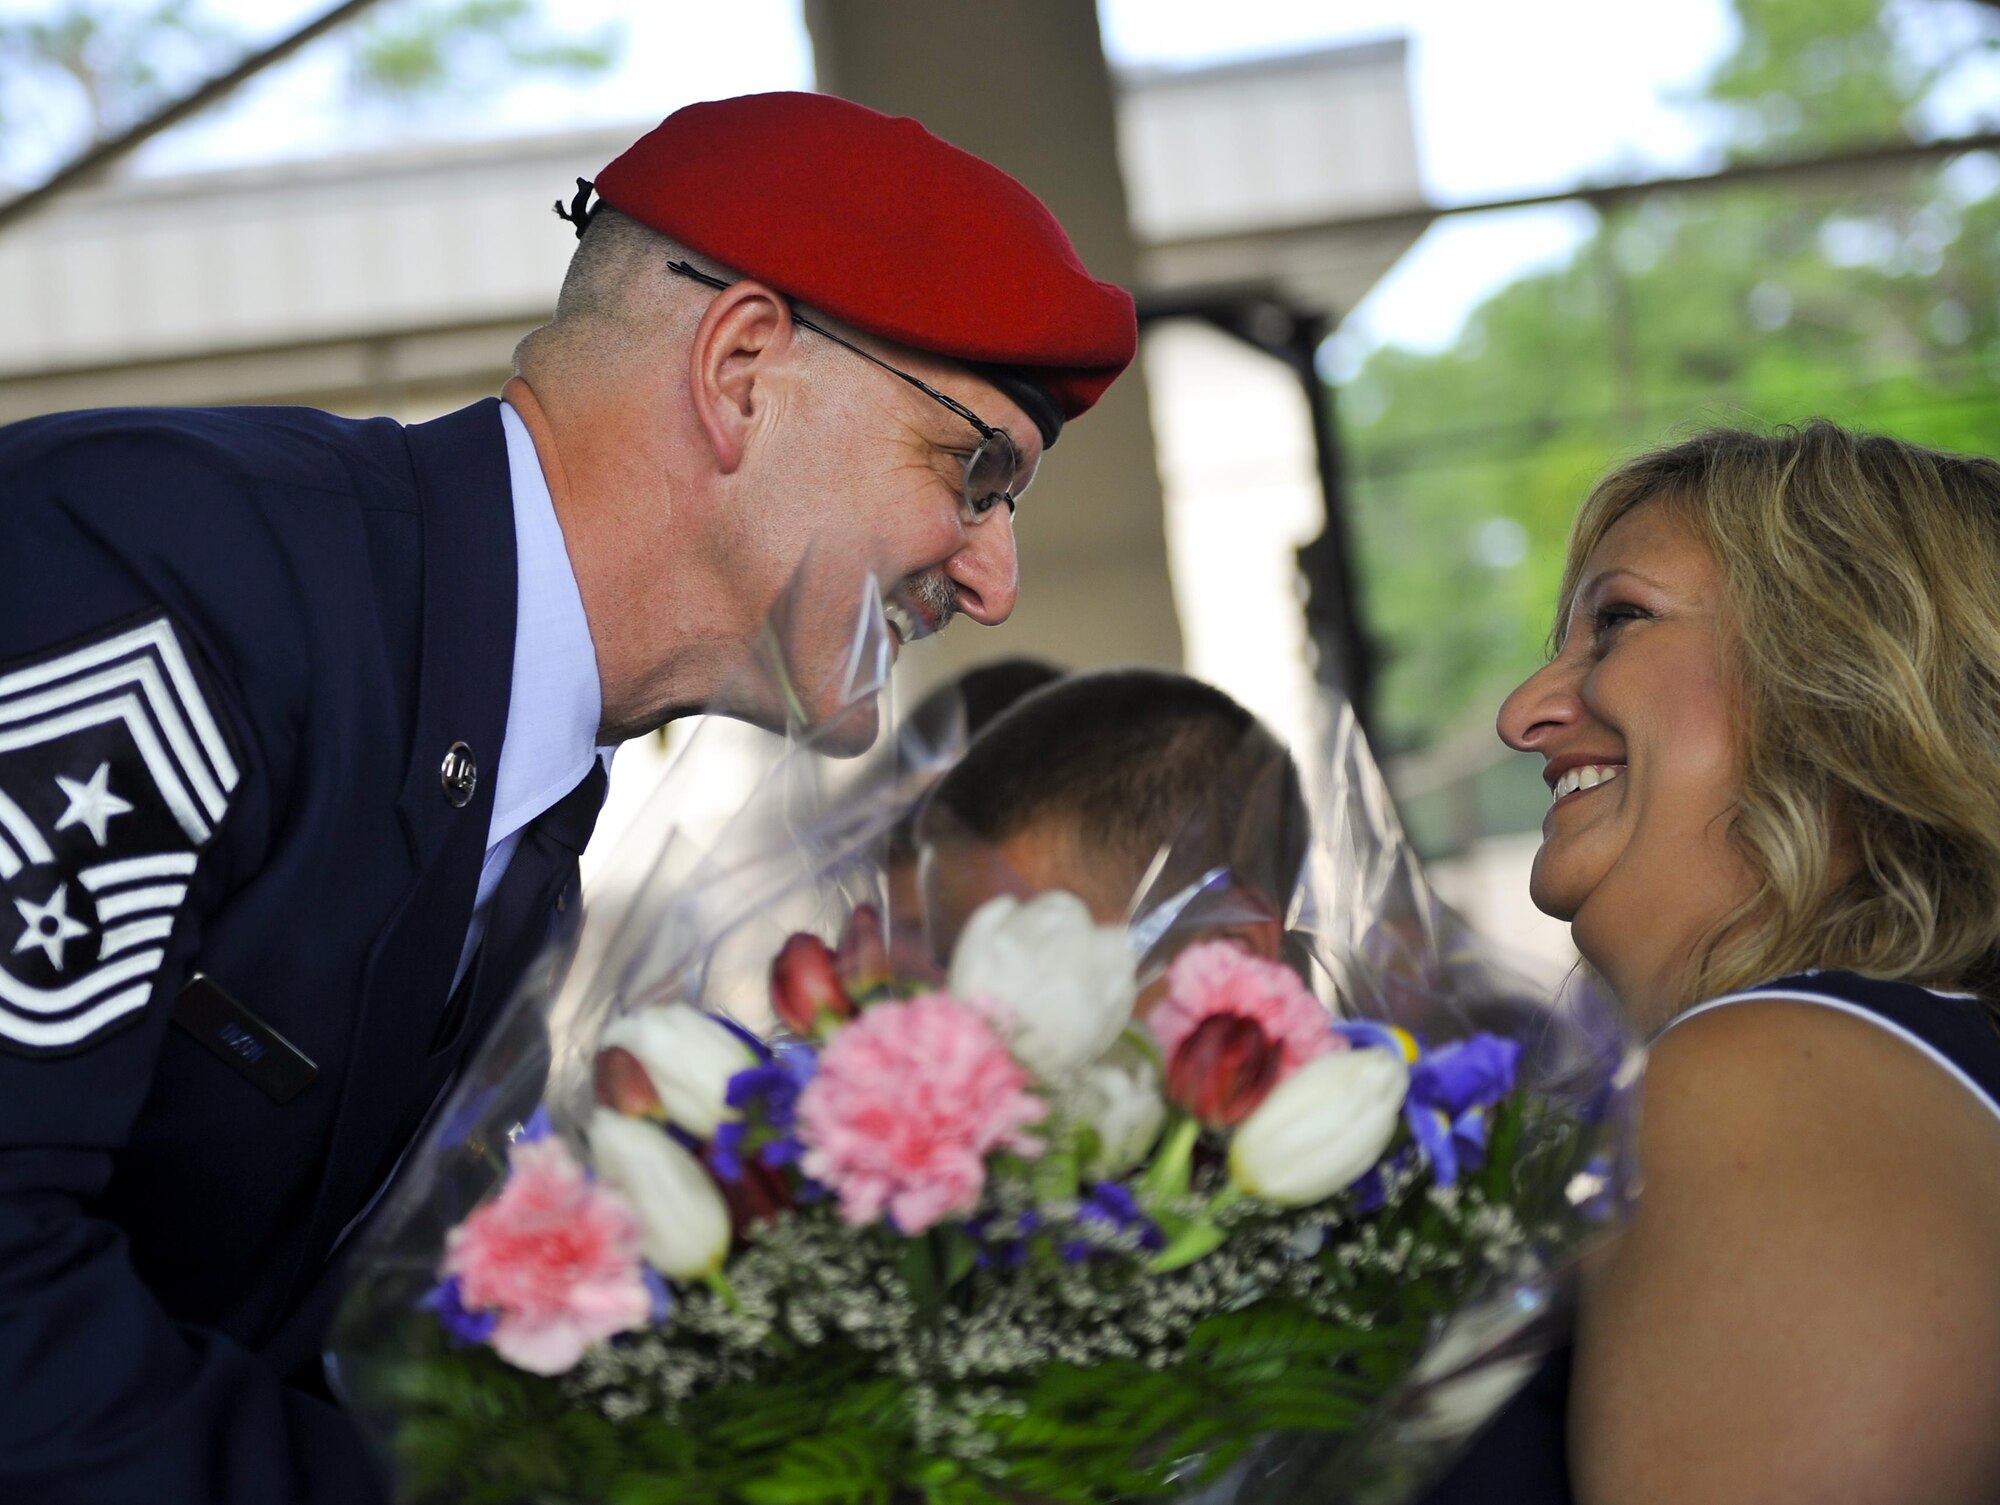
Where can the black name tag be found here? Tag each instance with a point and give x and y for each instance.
(243, 1041)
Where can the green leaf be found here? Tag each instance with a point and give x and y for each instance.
(840, 1470)
(1279, 1331)
(1167, 1176)
(1056, 1176)
(958, 1256)
(918, 1266)
(1495, 1178)
(1193, 1239)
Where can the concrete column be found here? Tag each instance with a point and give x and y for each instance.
(1025, 86)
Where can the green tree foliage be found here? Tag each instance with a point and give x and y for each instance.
(108, 65)
(1873, 300)
(79, 72)
(430, 51)
(1820, 75)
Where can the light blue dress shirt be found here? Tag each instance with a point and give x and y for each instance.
(555, 703)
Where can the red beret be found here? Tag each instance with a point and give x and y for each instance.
(872, 219)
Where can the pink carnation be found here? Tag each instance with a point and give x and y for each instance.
(555, 1255)
(1219, 977)
(908, 1101)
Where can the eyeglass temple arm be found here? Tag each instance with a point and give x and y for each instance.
(986, 430)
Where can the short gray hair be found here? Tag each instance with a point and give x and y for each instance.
(617, 276)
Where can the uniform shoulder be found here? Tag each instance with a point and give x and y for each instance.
(243, 528)
(289, 447)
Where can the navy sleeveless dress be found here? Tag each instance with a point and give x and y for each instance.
(1520, 1458)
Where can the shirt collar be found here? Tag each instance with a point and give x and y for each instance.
(555, 703)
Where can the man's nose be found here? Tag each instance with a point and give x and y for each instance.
(986, 573)
(1542, 705)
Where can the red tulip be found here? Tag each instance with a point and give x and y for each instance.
(1224, 1069)
(805, 985)
(863, 958)
(623, 1086)
(757, 1196)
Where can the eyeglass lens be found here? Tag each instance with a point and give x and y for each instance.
(991, 474)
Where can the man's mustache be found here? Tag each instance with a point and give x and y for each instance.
(932, 599)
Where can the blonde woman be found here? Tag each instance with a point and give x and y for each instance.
(1771, 731)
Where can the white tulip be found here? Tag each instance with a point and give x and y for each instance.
(1321, 1128)
(684, 1221)
(690, 1058)
(1064, 982)
(1119, 1098)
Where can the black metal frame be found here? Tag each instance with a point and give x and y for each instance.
(976, 505)
(1345, 658)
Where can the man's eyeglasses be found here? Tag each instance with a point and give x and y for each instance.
(992, 470)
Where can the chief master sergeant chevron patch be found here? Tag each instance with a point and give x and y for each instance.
(114, 774)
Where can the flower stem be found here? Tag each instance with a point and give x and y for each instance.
(719, 1283)
(1167, 1176)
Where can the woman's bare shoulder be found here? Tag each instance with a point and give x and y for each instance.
(1804, 1307)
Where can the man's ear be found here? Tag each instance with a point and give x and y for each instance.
(744, 335)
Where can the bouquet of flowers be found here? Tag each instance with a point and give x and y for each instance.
(730, 1212)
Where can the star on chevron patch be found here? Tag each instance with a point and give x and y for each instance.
(114, 774)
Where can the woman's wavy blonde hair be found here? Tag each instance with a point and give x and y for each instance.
(1862, 579)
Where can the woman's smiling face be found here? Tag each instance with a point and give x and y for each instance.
(1636, 721)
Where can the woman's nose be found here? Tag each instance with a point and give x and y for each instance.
(1542, 704)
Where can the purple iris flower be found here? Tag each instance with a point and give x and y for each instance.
(767, 1095)
(725, 1151)
(1371, 1191)
(1366, 1032)
(1475, 1072)
(1453, 1145)
(1112, 1203)
(1450, 1090)
(1007, 1247)
(782, 1152)
(663, 1299)
(770, 1091)
(460, 1325)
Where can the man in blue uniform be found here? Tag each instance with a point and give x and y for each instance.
(301, 718)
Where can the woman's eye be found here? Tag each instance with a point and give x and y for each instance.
(1613, 615)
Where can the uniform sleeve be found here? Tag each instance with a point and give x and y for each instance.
(149, 680)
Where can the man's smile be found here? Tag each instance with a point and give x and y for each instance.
(920, 607)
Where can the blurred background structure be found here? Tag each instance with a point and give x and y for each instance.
(1411, 272)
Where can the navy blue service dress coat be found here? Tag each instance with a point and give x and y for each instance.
(236, 648)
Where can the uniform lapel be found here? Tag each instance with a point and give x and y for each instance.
(467, 650)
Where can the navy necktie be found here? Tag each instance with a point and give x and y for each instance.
(534, 904)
